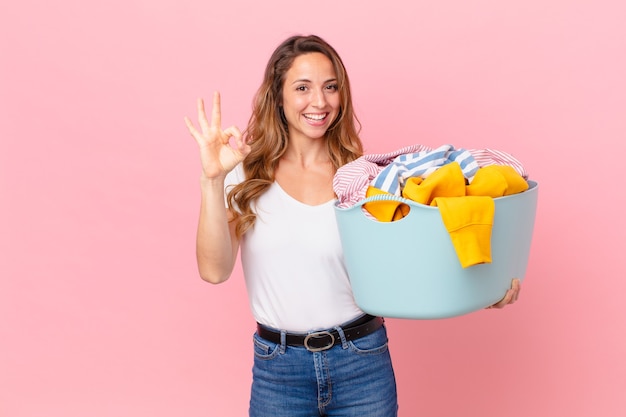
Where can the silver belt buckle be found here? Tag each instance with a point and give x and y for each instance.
(319, 335)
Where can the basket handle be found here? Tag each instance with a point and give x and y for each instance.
(385, 197)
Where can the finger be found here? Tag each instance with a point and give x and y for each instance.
(515, 295)
(239, 141)
(506, 300)
(235, 133)
(216, 116)
(511, 295)
(202, 119)
(191, 127)
(516, 287)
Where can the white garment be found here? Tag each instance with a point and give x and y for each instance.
(293, 264)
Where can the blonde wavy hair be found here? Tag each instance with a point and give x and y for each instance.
(267, 131)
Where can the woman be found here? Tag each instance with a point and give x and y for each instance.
(316, 352)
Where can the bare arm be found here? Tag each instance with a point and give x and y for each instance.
(216, 242)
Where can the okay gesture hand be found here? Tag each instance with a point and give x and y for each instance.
(219, 155)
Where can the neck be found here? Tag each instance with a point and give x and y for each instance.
(307, 154)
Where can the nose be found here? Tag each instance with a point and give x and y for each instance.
(319, 98)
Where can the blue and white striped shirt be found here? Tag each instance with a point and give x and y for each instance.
(421, 164)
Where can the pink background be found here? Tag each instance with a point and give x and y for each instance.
(101, 309)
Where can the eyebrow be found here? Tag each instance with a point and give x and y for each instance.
(305, 80)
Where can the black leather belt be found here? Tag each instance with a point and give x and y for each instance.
(324, 339)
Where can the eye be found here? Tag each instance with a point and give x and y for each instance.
(301, 88)
(332, 87)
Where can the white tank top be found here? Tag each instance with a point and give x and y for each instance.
(293, 264)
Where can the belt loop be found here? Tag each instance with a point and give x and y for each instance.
(342, 336)
(283, 341)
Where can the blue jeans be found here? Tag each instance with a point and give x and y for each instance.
(354, 378)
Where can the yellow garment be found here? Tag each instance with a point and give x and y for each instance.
(447, 181)
(469, 221)
(383, 210)
(466, 210)
(496, 181)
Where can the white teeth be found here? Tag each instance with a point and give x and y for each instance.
(315, 116)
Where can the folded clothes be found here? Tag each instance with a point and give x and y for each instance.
(467, 211)
(352, 180)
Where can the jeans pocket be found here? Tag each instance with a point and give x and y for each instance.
(371, 344)
(264, 349)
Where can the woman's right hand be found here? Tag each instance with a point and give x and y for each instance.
(217, 154)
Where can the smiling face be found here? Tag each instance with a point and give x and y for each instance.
(310, 100)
